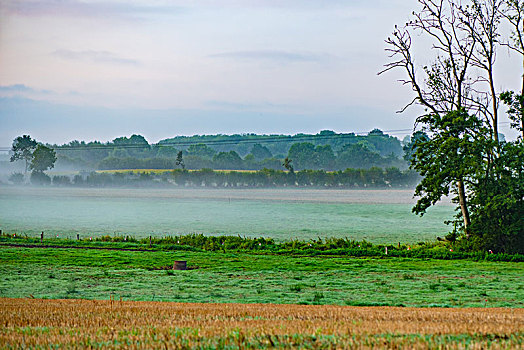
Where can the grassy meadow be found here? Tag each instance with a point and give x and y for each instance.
(217, 277)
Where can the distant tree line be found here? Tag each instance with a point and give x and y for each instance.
(349, 178)
(326, 150)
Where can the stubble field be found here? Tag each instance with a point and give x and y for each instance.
(114, 324)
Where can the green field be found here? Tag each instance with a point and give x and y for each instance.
(248, 278)
(379, 216)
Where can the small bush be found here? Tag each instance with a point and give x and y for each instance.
(317, 297)
(17, 178)
(434, 286)
(296, 288)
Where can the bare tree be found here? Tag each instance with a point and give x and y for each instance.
(513, 12)
(481, 21)
(445, 86)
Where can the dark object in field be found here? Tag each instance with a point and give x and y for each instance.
(180, 265)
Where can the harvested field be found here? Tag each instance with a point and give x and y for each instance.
(115, 324)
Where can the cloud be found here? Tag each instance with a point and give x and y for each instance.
(75, 8)
(94, 56)
(270, 55)
(20, 89)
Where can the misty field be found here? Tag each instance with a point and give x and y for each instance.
(115, 324)
(379, 216)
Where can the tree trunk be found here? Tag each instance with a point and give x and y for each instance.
(463, 206)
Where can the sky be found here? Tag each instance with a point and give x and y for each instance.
(97, 70)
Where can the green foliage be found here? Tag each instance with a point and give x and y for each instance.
(287, 164)
(61, 180)
(327, 247)
(265, 178)
(497, 205)
(180, 160)
(515, 102)
(458, 150)
(227, 160)
(23, 148)
(199, 151)
(44, 158)
(40, 178)
(16, 178)
(260, 152)
(451, 155)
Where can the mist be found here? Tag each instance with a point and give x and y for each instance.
(375, 215)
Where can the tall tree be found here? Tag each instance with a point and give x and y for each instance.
(461, 153)
(180, 160)
(23, 148)
(287, 164)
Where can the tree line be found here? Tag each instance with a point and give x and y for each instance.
(326, 150)
(265, 178)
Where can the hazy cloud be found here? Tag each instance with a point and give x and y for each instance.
(68, 8)
(270, 55)
(20, 89)
(94, 56)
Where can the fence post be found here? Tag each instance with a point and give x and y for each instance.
(149, 241)
(77, 237)
(42, 237)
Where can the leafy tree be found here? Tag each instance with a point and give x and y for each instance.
(180, 160)
(260, 152)
(411, 144)
(40, 178)
(166, 152)
(324, 157)
(288, 166)
(228, 160)
(44, 158)
(358, 156)
(201, 150)
(461, 153)
(119, 153)
(303, 154)
(515, 102)
(23, 148)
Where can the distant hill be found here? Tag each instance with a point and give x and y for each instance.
(326, 150)
(375, 140)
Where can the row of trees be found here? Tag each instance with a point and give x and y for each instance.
(303, 155)
(234, 151)
(459, 151)
(349, 178)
